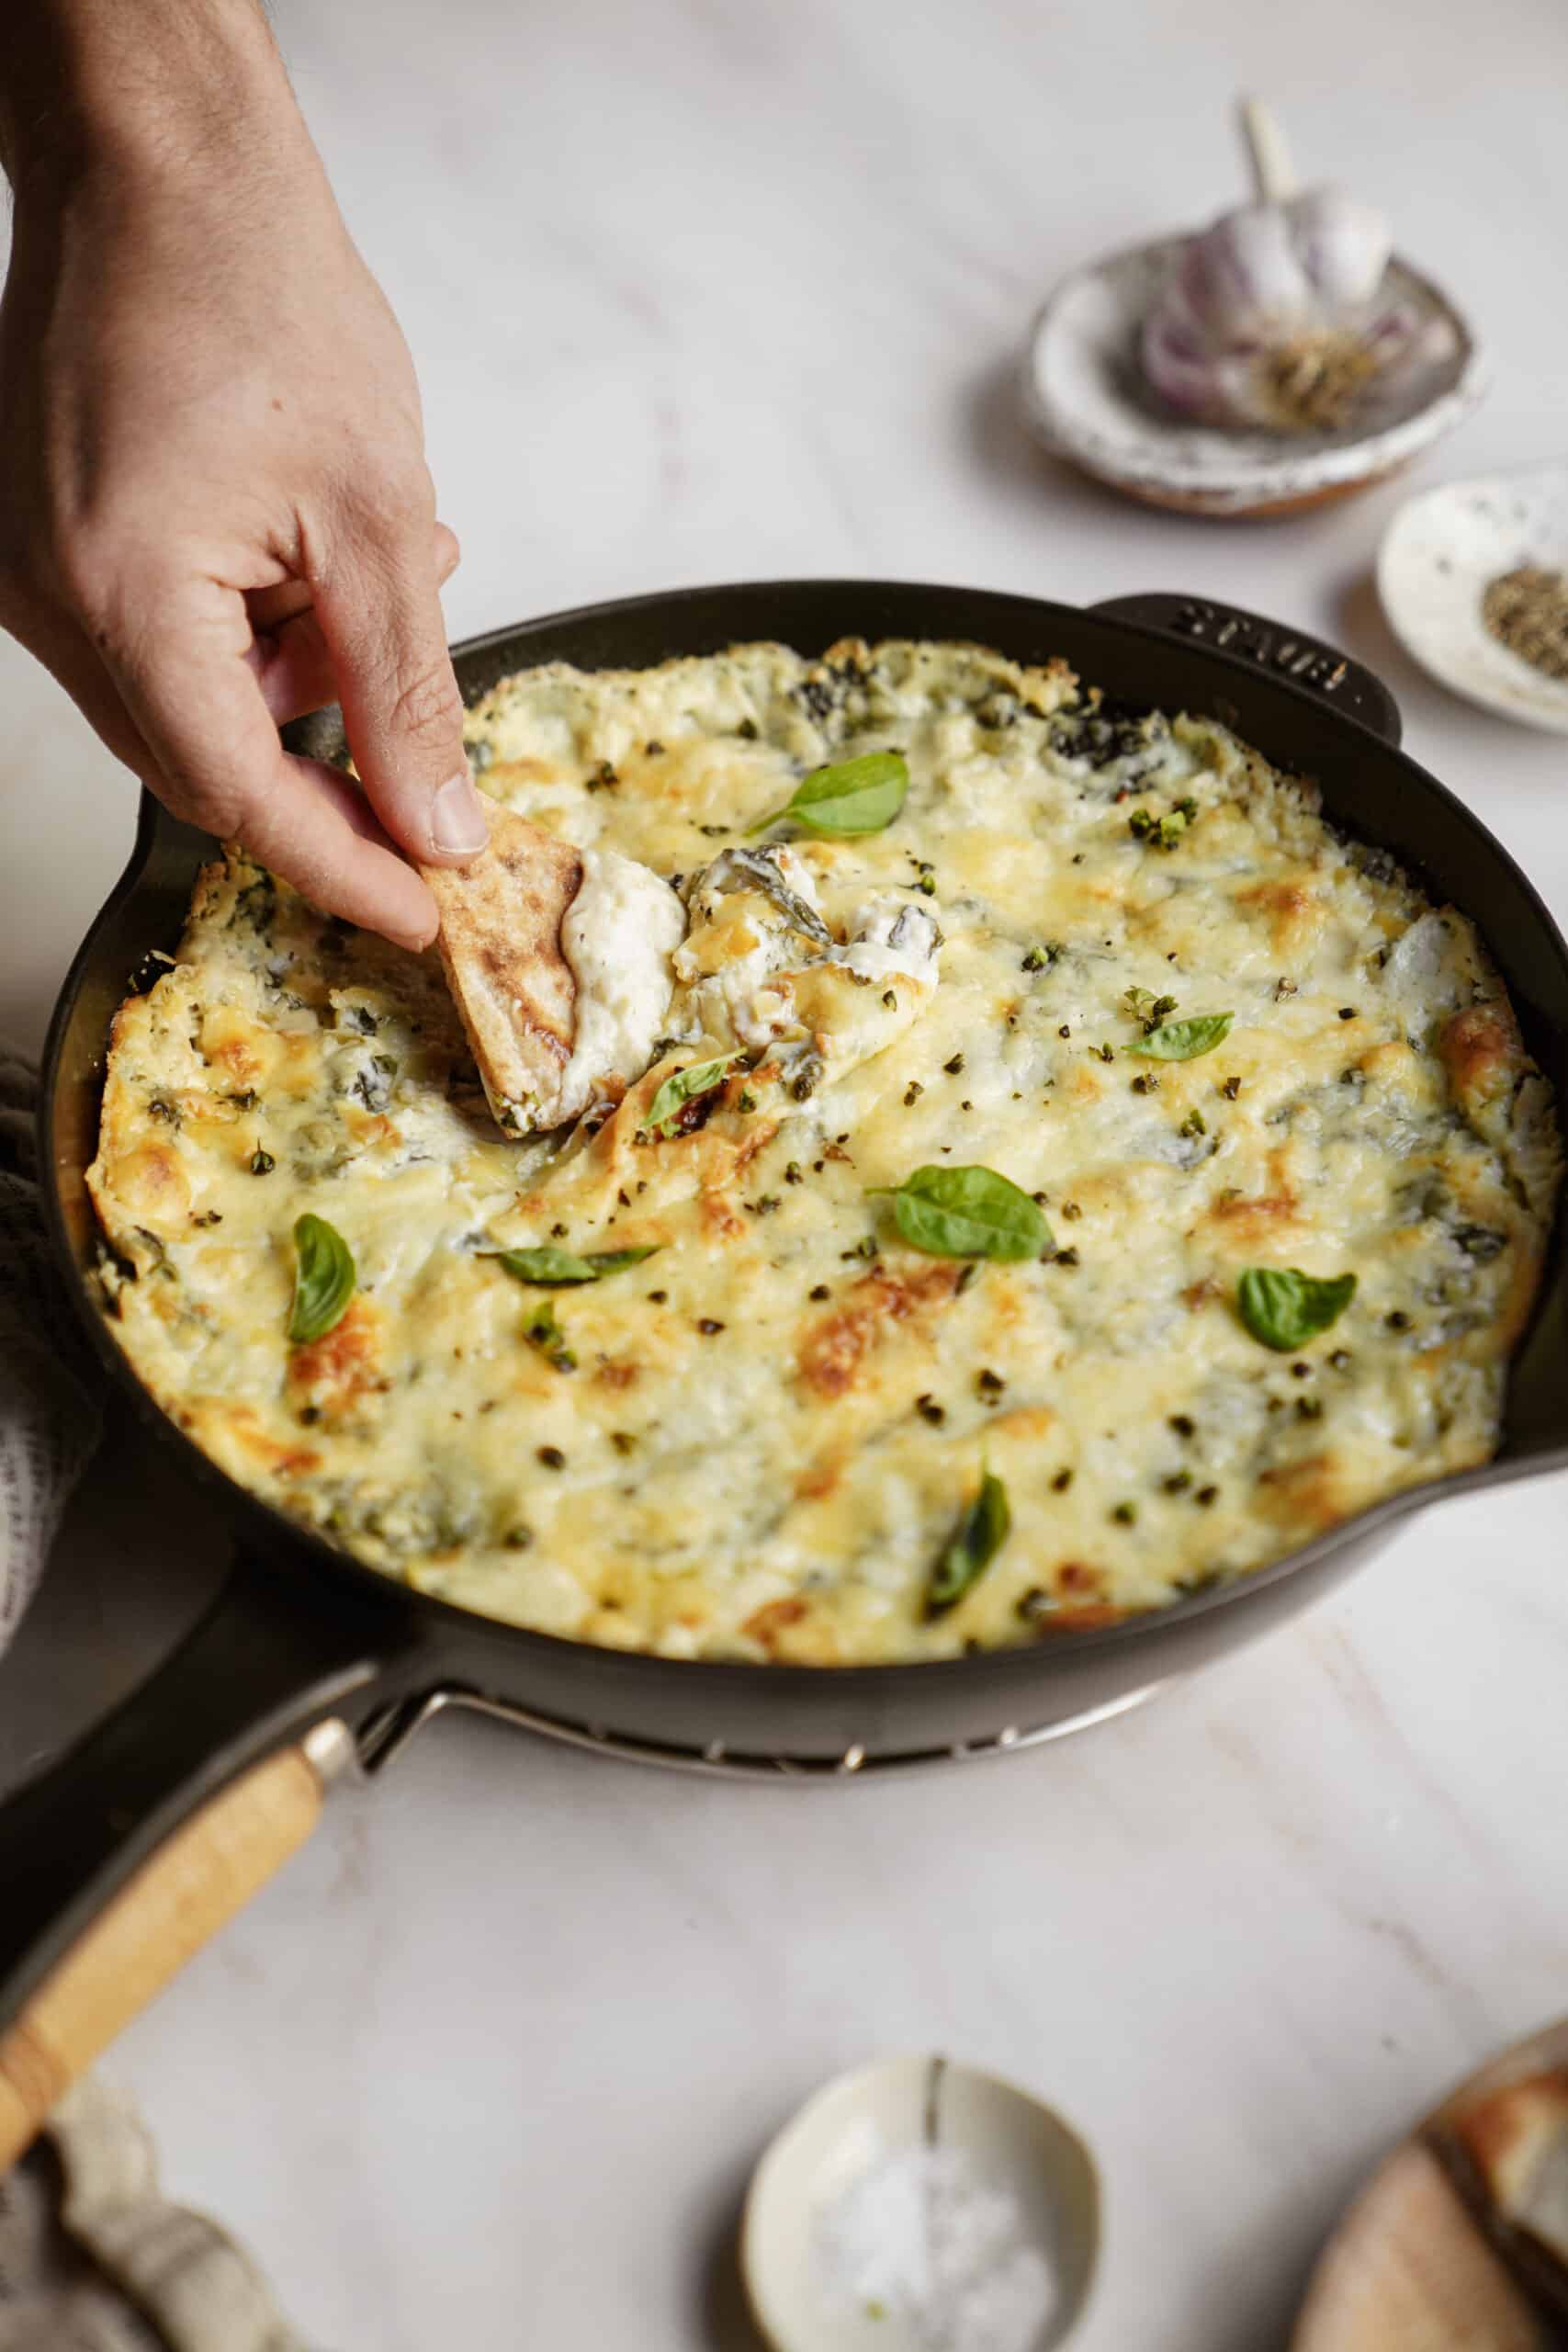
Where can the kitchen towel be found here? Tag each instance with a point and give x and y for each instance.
(49, 1421)
(92, 2257)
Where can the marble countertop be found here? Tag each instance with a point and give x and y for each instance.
(700, 289)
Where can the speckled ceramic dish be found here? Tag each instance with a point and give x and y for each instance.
(1438, 555)
(915, 2202)
(1087, 399)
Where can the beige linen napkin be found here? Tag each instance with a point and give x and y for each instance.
(94, 2259)
(48, 1422)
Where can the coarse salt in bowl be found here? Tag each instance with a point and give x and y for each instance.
(918, 2206)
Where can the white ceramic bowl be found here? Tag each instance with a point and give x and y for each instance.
(1437, 558)
(1086, 396)
(880, 2117)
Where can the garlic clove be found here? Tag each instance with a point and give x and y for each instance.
(1242, 278)
(1342, 242)
(1403, 344)
(1194, 378)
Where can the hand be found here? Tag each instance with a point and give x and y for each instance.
(214, 507)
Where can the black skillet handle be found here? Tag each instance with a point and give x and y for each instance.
(1291, 654)
(123, 1857)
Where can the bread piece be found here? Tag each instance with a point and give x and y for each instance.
(1517, 2137)
(501, 942)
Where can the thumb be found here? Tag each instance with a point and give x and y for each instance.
(379, 612)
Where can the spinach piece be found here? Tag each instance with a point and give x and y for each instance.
(859, 796)
(973, 1546)
(966, 1213)
(324, 1279)
(1284, 1307)
(1151, 1009)
(542, 1331)
(758, 869)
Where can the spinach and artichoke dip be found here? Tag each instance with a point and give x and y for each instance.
(1068, 1173)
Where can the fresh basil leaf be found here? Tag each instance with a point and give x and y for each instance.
(548, 1269)
(1183, 1041)
(973, 1546)
(856, 797)
(1285, 1308)
(697, 1078)
(324, 1279)
(968, 1213)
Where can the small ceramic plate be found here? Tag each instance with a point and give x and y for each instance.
(917, 2188)
(1435, 560)
(1086, 396)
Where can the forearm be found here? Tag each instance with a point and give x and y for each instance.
(215, 512)
(135, 80)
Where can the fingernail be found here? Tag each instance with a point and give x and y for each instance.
(458, 819)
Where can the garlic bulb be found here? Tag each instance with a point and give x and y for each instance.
(1277, 316)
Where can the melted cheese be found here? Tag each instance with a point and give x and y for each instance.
(757, 1441)
(618, 936)
(762, 967)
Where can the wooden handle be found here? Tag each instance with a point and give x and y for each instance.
(205, 1874)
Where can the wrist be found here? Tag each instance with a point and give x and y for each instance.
(151, 86)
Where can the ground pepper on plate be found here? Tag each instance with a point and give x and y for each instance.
(1526, 610)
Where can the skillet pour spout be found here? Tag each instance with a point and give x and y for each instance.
(117, 1859)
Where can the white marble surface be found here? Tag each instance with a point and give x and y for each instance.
(702, 289)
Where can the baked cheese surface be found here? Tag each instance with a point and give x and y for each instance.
(761, 1439)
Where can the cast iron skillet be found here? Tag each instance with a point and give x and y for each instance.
(301, 1633)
